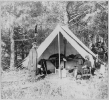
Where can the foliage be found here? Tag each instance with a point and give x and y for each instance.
(22, 17)
(88, 18)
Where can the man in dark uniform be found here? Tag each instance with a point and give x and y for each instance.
(94, 49)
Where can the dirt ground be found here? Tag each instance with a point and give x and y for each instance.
(19, 85)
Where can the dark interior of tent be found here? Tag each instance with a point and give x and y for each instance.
(61, 49)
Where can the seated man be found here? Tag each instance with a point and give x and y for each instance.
(87, 64)
(41, 67)
(83, 69)
(78, 71)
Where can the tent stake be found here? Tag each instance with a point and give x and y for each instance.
(59, 54)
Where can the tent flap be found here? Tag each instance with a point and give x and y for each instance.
(47, 42)
(70, 37)
(75, 44)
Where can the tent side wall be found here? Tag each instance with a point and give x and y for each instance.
(72, 35)
(47, 42)
(75, 44)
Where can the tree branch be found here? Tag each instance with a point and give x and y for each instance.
(101, 5)
(78, 15)
(24, 39)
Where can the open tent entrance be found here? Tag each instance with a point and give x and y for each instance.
(59, 45)
(53, 48)
(54, 43)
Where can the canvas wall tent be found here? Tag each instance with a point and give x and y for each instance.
(74, 46)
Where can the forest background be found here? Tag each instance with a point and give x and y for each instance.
(88, 20)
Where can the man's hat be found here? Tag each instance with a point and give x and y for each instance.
(34, 44)
(87, 57)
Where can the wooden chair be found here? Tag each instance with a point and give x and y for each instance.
(86, 72)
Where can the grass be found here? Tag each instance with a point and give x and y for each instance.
(20, 85)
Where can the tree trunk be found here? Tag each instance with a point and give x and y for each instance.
(94, 39)
(23, 55)
(12, 50)
(15, 54)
